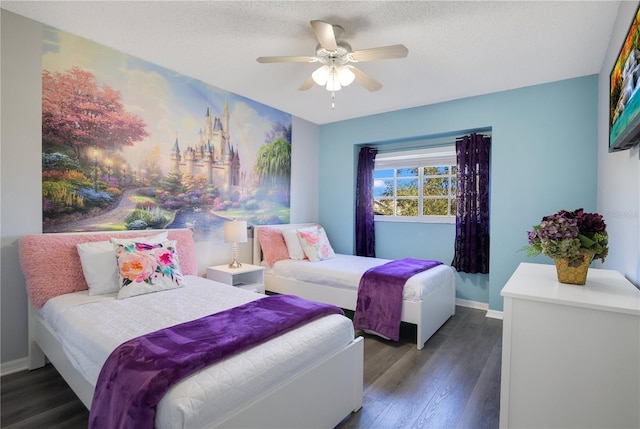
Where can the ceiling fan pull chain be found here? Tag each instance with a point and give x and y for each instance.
(333, 97)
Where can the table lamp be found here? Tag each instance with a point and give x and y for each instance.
(235, 232)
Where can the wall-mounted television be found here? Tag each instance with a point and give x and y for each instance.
(624, 95)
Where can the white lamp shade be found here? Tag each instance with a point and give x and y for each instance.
(334, 78)
(235, 231)
(321, 75)
(345, 75)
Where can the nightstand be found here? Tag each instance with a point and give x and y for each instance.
(248, 277)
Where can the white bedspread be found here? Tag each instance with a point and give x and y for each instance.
(346, 270)
(90, 327)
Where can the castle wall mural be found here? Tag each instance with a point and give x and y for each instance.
(127, 144)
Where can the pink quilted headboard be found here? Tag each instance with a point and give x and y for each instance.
(51, 264)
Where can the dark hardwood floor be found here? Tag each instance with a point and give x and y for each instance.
(454, 382)
(40, 399)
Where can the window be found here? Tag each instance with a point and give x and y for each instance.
(416, 186)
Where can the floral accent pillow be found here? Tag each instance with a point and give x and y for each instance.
(98, 262)
(147, 267)
(293, 242)
(315, 244)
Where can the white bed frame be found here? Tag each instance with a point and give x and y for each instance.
(321, 395)
(428, 315)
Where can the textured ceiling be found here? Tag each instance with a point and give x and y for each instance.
(457, 49)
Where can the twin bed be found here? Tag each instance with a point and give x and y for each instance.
(308, 377)
(311, 376)
(428, 297)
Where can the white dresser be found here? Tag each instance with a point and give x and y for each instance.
(570, 354)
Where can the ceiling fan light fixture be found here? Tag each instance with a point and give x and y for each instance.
(333, 83)
(345, 75)
(334, 55)
(321, 75)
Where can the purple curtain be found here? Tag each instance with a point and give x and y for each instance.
(471, 253)
(365, 232)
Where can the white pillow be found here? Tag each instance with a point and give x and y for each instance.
(315, 244)
(293, 242)
(99, 264)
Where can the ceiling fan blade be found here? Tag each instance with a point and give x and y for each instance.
(382, 53)
(307, 84)
(286, 59)
(325, 35)
(365, 80)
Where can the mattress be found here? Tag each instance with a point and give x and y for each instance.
(345, 271)
(90, 327)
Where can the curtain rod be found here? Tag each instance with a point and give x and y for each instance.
(423, 141)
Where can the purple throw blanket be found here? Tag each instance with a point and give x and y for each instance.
(379, 306)
(140, 371)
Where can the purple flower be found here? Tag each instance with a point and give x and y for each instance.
(563, 234)
(590, 223)
(558, 227)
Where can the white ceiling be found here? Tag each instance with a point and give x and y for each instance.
(457, 49)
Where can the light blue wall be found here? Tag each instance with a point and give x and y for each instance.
(424, 241)
(544, 158)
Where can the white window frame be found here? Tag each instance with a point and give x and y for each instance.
(428, 157)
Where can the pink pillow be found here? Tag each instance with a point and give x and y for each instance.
(273, 246)
(51, 264)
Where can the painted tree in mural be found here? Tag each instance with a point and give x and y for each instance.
(273, 166)
(81, 115)
(194, 183)
(151, 168)
(81, 118)
(172, 182)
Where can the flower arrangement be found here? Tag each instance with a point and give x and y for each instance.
(563, 235)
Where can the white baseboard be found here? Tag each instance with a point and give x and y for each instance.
(472, 304)
(493, 314)
(14, 366)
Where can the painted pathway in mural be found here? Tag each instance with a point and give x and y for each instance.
(205, 224)
(103, 222)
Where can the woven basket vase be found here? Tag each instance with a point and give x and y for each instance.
(574, 275)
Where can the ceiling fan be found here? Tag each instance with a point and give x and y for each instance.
(336, 56)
